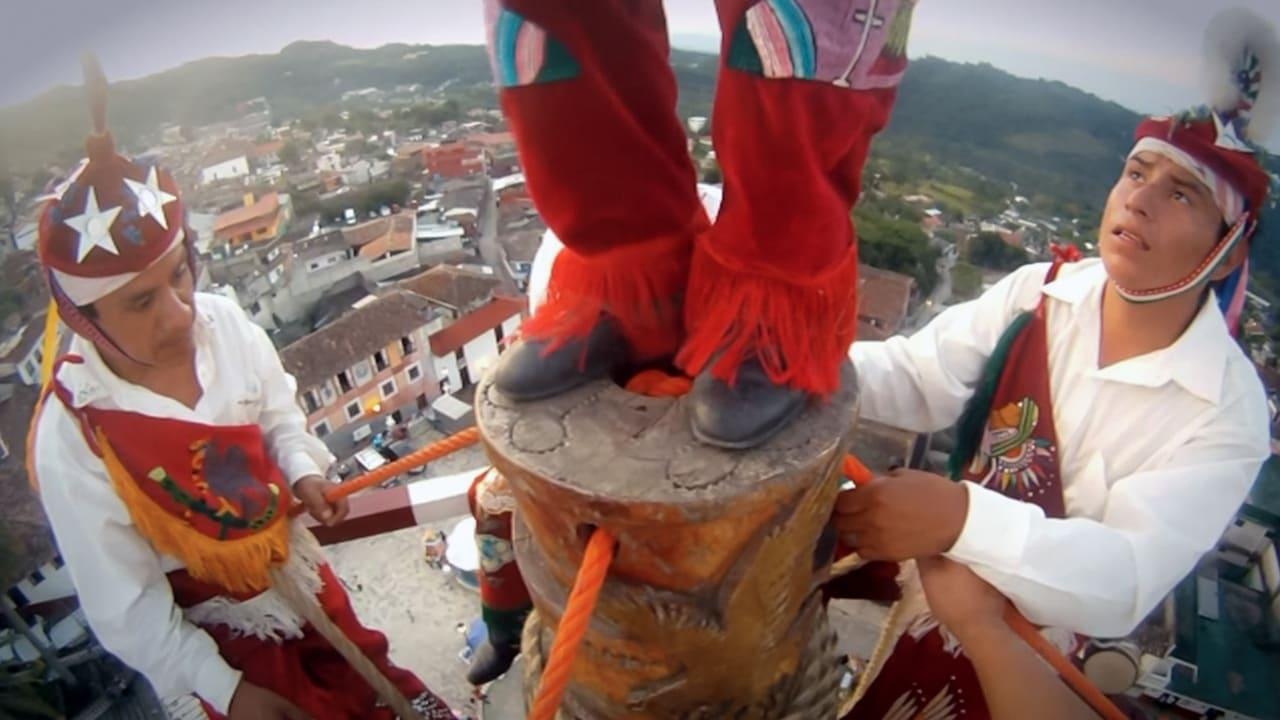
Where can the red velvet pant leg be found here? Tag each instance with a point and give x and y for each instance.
(308, 672)
(590, 98)
(804, 85)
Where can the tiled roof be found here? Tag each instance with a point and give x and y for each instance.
(356, 335)
(474, 324)
(883, 298)
(260, 213)
(452, 286)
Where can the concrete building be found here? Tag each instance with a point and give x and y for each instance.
(518, 249)
(368, 366)
(452, 289)
(464, 350)
(21, 353)
(884, 299)
(436, 239)
(279, 280)
(454, 160)
(224, 164)
(257, 220)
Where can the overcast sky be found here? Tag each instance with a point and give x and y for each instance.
(1143, 54)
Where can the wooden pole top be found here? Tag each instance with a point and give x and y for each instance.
(616, 448)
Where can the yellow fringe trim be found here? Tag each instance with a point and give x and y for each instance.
(49, 347)
(30, 461)
(239, 566)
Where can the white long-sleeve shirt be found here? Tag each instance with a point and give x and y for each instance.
(1157, 452)
(118, 575)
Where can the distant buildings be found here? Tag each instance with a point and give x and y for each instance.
(453, 290)
(389, 359)
(259, 219)
(884, 300)
(20, 351)
(453, 160)
(224, 164)
(518, 249)
(280, 281)
(365, 367)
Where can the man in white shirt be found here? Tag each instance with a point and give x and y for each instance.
(1109, 425)
(167, 448)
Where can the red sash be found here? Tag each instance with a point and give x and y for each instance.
(1013, 449)
(211, 496)
(208, 495)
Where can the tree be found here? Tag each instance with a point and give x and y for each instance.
(9, 210)
(966, 281)
(356, 147)
(291, 154)
(370, 198)
(898, 245)
(990, 251)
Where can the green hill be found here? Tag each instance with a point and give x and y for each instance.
(970, 134)
(301, 77)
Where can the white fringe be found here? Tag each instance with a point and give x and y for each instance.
(266, 615)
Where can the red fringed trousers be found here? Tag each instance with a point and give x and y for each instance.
(802, 88)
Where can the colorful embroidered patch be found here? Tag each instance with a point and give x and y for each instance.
(522, 53)
(1011, 459)
(858, 44)
(495, 553)
(223, 498)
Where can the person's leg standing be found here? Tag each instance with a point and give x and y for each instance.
(590, 98)
(771, 308)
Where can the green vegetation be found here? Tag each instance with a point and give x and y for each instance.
(966, 282)
(895, 244)
(989, 251)
(291, 155)
(296, 81)
(10, 302)
(367, 199)
(968, 135)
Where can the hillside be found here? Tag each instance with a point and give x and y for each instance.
(301, 77)
(1045, 137)
(970, 134)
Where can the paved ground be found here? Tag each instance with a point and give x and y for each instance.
(421, 610)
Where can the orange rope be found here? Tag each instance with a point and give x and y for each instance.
(656, 383)
(573, 625)
(855, 471)
(859, 474)
(1069, 673)
(417, 458)
(599, 554)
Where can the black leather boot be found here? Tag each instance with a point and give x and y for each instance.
(527, 372)
(745, 415)
(490, 661)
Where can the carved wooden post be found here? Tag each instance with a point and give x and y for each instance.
(711, 607)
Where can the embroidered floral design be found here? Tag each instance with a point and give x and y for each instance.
(494, 553)
(858, 44)
(1011, 459)
(522, 53)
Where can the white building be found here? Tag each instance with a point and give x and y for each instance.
(464, 350)
(21, 353)
(225, 169)
(329, 162)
